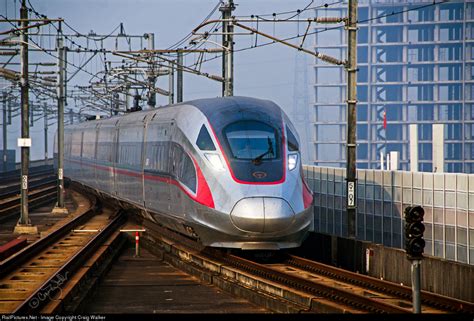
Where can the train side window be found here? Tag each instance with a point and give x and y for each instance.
(292, 141)
(183, 167)
(204, 141)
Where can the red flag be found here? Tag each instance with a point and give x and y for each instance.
(384, 120)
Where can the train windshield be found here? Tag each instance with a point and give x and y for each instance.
(252, 140)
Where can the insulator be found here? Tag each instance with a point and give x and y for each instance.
(330, 59)
(329, 19)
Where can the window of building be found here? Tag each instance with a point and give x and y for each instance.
(362, 132)
(451, 72)
(389, 54)
(362, 151)
(362, 14)
(425, 112)
(470, 31)
(469, 131)
(363, 35)
(469, 112)
(450, 52)
(329, 94)
(470, 10)
(394, 132)
(420, 53)
(423, 14)
(328, 75)
(425, 151)
(420, 92)
(330, 113)
(385, 14)
(450, 32)
(394, 112)
(453, 168)
(450, 112)
(362, 74)
(328, 37)
(387, 93)
(328, 133)
(388, 34)
(453, 132)
(420, 34)
(362, 114)
(470, 91)
(453, 151)
(388, 74)
(362, 93)
(451, 11)
(362, 54)
(420, 73)
(450, 92)
(396, 147)
(328, 152)
(469, 151)
(425, 132)
(425, 167)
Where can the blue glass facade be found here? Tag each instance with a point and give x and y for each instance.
(415, 66)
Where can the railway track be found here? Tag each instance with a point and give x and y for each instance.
(300, 284)
(42, 190)
(46, 275)
(12, 187)
(42, 194)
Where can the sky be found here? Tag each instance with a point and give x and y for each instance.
(266, 72)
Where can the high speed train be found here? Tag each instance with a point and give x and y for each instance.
(225, 171)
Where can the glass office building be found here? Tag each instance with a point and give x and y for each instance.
(416, 66)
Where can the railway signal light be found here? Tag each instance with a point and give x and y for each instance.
(414, 228)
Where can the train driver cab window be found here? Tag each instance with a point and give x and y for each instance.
(250, 139)
(204, 141)
(292, 142)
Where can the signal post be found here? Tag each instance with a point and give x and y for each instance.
(414, 245)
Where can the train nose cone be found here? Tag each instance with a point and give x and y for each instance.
(262, 214)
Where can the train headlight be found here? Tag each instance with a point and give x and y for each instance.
(292, 161)
(215, 161)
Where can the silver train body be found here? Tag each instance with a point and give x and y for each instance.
(226, 171)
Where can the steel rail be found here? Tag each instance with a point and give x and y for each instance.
(427, 298)
(32, 303)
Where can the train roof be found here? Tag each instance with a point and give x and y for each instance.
(212, 108)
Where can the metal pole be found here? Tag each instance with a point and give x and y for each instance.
(60, 208)
(416, 285)
(45, 112)
(25, 129)
(228, 44)
(351, 68)
(179, 78)
(151, 75)
(171, 85)
(4, 128)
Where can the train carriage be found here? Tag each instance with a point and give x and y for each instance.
(226, 171)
